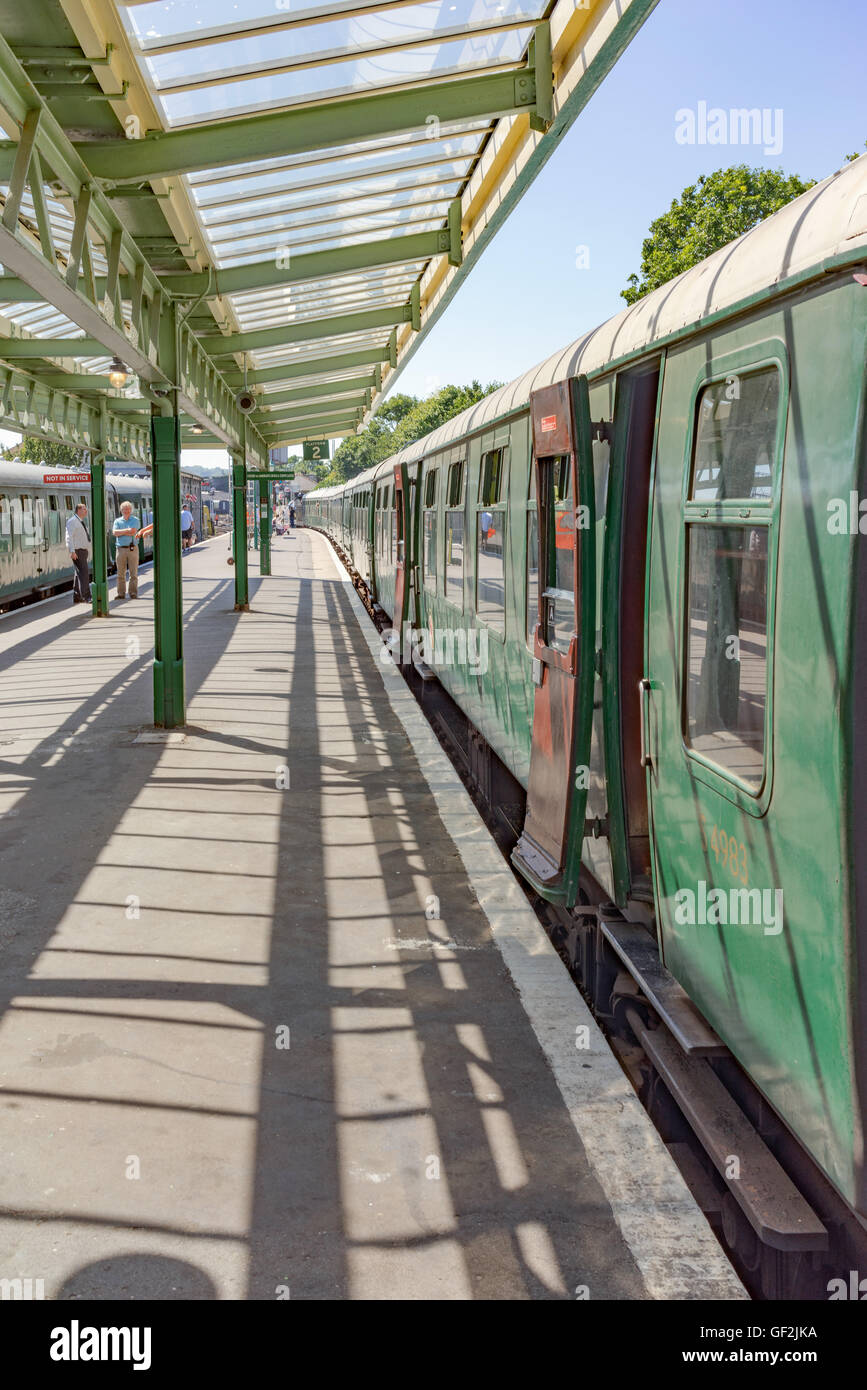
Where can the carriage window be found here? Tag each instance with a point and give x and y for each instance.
(490, 567)
(29, 523)
(727, 647)
(429, 526)
(490, 476)
(69, 504)
(532, 573)
(52, 502)
(455, 557)
(456, 485)
(736, 431)
(5, 523)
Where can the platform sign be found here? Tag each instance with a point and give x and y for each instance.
(315, 450)
(270, 475)
(66, 477)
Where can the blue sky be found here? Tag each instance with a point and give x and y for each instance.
(620, 166)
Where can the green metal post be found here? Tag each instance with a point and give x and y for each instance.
(239, 531)
(169, 710)
(264, 526)
(99, 544)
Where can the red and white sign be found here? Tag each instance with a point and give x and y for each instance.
(549, 424)
(66, 477)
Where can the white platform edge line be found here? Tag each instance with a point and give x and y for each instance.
(667, 1233)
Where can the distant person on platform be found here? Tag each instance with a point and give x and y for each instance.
(126, 546)
(186, 527)
(292, 513)
(78, 545)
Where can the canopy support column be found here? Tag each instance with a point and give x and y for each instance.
(239, 531)
(169, 712)
(99, 544)
(264, 527)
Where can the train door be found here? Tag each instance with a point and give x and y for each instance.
(705, 689)
(548, 853)
(623, 604)
(41, 537)
(401, 529)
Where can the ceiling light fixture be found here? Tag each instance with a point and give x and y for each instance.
(117, 373)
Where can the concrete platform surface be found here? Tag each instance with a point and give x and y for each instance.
(275, 1019)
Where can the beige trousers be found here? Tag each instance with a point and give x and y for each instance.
(127, 559)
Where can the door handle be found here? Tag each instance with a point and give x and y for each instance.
(643, 692)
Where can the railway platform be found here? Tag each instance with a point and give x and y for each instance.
(276, 1021)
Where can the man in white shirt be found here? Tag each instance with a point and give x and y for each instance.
(78, 545)
(186, 526)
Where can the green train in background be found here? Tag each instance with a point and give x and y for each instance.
(640, 574)
(35, 505)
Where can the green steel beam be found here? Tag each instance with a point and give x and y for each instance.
(364, 321)
(30, 349)
(309, 393)
(34, 406)
(331, 408)
(315, 127)
(46, 154)
(311, 265)
(324, 411)
(318, 366)
(326, 429)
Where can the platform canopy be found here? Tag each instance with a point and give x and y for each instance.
(271, 199)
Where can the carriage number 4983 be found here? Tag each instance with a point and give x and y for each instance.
(730, 852)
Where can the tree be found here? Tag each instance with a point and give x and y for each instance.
(708, 215)
(44, 452)
(400, 421)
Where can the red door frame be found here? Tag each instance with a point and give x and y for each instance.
(548, 853)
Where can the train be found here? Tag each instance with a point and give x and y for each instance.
(632, 587)
(35, 504)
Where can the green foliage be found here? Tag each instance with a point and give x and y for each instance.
(856, 155)
(32, 449)
(709, 214)
(400, 421)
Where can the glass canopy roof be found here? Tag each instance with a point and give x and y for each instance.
(206, 62)
(286, 186)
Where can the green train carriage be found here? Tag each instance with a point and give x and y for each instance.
(674, 634)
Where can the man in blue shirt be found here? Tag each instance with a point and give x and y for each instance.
(126, 546)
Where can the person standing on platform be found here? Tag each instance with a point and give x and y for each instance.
(78, 545)
(186, 526)
(292, 513)
(126, 546)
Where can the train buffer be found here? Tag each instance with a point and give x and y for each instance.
(275, 1014)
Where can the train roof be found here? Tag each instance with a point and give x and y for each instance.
(34, 474)
(827, 221)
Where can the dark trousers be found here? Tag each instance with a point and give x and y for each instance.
(81, 578)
